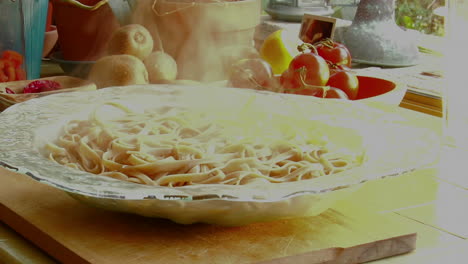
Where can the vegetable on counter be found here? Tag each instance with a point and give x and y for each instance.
(322, 69)
(279, 48)
(345, 81)
(254, 74)
(40, 86)
(307, 73)
(37, 86)
(9, 91)
(333, 52)
(14, 57)
(11, 66)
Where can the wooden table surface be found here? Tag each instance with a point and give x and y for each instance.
(422, 201)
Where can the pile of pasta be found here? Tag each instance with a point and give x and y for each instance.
(175, 147)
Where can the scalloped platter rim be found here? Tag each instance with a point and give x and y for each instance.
(214, 203)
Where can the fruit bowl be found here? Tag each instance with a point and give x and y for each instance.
(67, 84)
(377, 90)
(373, 89)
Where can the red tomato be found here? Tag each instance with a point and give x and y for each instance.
(311, 68)
(345, 81)
(252, 73)
(336, 93)
(307, 73)
(291, 83)
(334, 68)
(334, 52)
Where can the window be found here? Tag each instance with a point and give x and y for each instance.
(421, 15)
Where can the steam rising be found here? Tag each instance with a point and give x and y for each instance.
(199, 34)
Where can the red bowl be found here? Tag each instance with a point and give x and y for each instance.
(373, 89)
(371, 86)
(380, 90)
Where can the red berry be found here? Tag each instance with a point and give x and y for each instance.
(9, 91)
(39, 86)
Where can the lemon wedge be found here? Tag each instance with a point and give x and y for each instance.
(279, 48)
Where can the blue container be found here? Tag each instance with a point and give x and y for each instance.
(22, 28)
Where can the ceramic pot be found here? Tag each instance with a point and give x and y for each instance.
(50, 40)
(84, 28)
(196, 32)
(374, 37)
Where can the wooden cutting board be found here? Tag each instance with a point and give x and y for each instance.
(73, 232)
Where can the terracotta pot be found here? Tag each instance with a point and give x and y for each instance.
(50, 39)
(50, 9)
(84, 28)
(195, 33)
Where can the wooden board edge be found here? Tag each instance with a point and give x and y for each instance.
(38, 237)
(411, 105)
(357, 254)
(376, 250)
(15, 249)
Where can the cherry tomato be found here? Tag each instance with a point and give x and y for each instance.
(307, 73)
(291, 83)
(345, 81)
(252, 73)
(311, 67)
(334, 68)
(334, 52)
(336, 93)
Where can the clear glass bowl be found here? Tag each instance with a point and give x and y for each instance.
(393, 145)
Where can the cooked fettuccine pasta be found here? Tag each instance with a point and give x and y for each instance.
(175, 147)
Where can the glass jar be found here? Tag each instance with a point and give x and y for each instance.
(23, 27)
